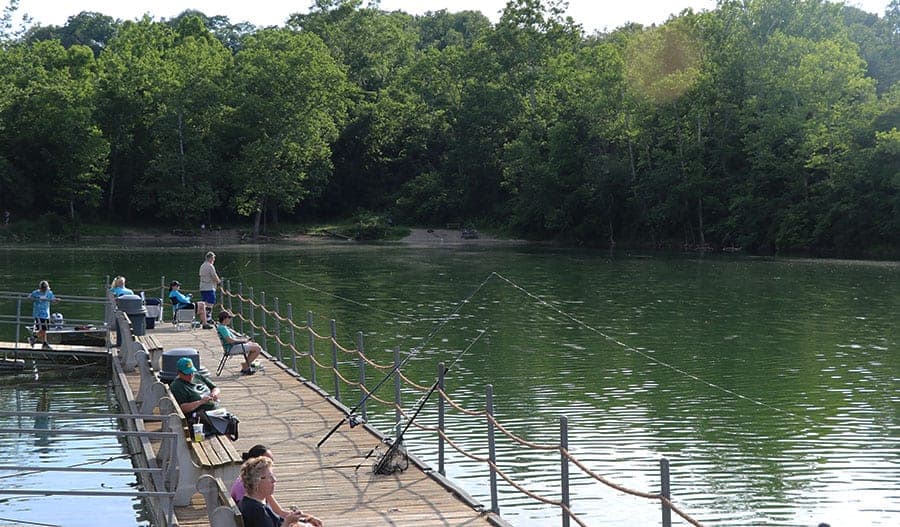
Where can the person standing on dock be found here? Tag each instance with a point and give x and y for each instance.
(209, 281)
(42, 297)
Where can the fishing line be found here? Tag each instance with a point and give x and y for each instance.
(362, 304)
(30, 523)
(650, 357)
(410, 355)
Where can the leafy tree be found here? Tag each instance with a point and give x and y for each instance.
(289, 99)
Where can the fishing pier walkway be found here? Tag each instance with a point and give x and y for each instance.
(283, 411)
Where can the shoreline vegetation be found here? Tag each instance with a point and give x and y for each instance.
(106, 236)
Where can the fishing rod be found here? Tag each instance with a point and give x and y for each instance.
(380, 466)
(356, 420)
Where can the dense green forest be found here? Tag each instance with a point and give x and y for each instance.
(771, 125)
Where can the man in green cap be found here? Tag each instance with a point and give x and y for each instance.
(192, 389)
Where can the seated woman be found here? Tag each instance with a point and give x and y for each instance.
(182, 301)
(117, 287)
(259, 483)
(238, 493)
(235, 343)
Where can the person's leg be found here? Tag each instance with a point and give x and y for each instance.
(44, 325)
(209, 297)
(250, 350)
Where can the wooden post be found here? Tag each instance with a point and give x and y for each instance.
(492, 450)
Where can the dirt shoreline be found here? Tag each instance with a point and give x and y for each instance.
(226, 237)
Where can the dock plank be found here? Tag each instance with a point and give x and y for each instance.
(280, 411)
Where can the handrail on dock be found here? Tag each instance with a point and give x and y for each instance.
(285, 336)
(159, 473)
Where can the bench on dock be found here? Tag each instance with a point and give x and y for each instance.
(220, 507)
(153, 347)
(215, 455)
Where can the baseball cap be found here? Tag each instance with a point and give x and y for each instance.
(186, 366)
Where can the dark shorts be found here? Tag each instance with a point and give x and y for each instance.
(41, 324)
(209, 297)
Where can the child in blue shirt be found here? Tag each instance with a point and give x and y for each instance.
(42, 297)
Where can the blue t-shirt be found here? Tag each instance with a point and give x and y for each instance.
(180, 299)
(121, 290)
(42, 300)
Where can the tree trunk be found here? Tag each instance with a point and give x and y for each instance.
(700, 219)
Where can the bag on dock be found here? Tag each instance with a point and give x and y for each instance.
(220, 422)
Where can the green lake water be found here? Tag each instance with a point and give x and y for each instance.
(770, 385)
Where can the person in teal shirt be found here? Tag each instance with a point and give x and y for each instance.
(42, 298)
(237, 344)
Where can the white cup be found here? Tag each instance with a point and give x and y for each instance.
(198, 432)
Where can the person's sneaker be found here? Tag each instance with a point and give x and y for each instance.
(207, 326)
(31, 340)
(248, 371)
(256, 365)
(47, 347)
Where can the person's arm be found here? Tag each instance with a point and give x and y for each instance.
(234, 338)
(273, 503)
(190, 407)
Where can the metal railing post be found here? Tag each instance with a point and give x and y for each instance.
(162, 288)
(564, 467)
(18, 320)
(441, 372)
(362, 374)
(241, 304)
(492, 449)
(397, 413)
(252, 311)
(230, 297)
(262, 319)
(312, 347)
(334, 361)
(665, 491)
(277, 331)
(290, 316)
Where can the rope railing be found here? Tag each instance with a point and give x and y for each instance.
(362, 361)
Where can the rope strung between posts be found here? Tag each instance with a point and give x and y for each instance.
(480, 413)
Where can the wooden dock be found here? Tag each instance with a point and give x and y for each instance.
(281, 411)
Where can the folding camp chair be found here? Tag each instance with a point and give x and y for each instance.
(226, 353)
(181, 316)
